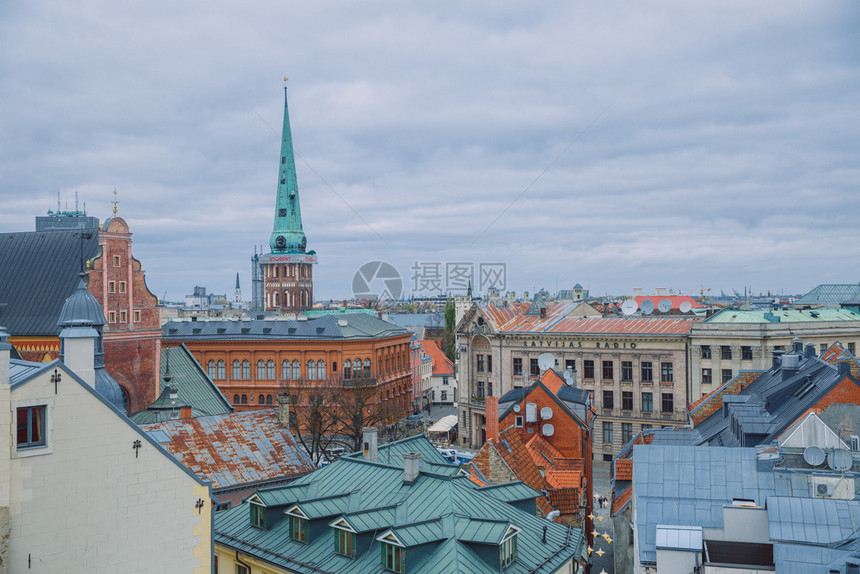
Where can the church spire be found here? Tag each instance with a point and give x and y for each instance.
(287, 235)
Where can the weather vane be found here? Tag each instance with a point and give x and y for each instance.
(115, 202)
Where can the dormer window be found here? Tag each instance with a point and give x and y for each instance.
(508, 551)
(298, 529)
(258, 516)
(393, 557)
(344, 542)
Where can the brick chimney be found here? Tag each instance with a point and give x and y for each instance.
(370, 443)
(491, 406)
(284, 409)
(411, 467)
(185, 412)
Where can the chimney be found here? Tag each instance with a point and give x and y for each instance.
(78, 352)
(777, 359)
(284, 409)
(809, 350)
(852, 568)
(411, 467)
(369, 442)
(797, 346)
(491, 406)
(185, 412)
(790, 365)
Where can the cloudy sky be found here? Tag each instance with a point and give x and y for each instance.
(686, 145)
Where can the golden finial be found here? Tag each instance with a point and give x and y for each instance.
(89, 263)
(285, 78)
(115, 202)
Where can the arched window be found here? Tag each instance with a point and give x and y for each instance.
(334, 367)
(268, 399)
(321, 370)
(237, 370)
(261, 400)
(312, 370)
(244, 399)
(356, 369)
(367, 367)
(261, 370)
(246, 370)
(347, 369)
(297, 370)
(270, 370)
(285, 370)
(276, 298)
(235, 399)
(221, 374)
(212, 369)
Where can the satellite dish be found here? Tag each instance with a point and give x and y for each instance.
(685, 306)
(647, 306)
(813, 455)
(629, 307)
(664, 305)
(568, 377)
(546, 413)
(547, 430)
(546, 361)
(840, 459)
(516, 408)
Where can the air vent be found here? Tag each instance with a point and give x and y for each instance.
(291, 330)
(823, 489)
(222, 330)
(547, 430)
(267, 330)
(320, 330)
(546, 413)
(245, 330)
(531, 413)
(196, 330)
(516, 408)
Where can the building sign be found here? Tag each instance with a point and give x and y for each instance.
(288, 258)
(581, 344)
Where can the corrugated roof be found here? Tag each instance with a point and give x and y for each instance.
(40, 270)
(236, 448)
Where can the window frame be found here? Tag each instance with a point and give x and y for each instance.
(725, 352)
(258, 516)
(608, 399)
(627, 371)
(646, 371)
(626, 401)
(508, 551)
(706, 352)
(534, 367)
(667, 398)
(746, 353)
(667, 372)
(345, 538)
(397, 557)
(607, 370)
(518, 366)
(588, 369)
(298, 529)
(707, 376)
(607, 432)
(647, 405)
(46, 444)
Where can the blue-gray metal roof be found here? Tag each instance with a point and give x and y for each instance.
(818, 521)
(39, 271)
(326, 327)
(679, 538)
(81, 308)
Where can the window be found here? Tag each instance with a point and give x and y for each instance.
(668, 403)
(312, 370)
(237, 370)
(727, 375)
(666, 372)
(626, 432)
(480, 363)
(321, 370)
(268, 399)
(746, 354)
(518, 366)
(607, 432)
(111, 286)
(607, 400)
(706, 377)
(646, 427)
(570, 364)
(261, 369)
(489, 363)
(137, 316)
(123, 316)
(261, 400)
(534, 368)
(212, 369)
(285, 370)
(706, 351)
(344, 542)
(508, 551)
(244, 399)
(726, 353)
(626, 400)
(647, 372)
(297, 370)
(851, 347)
(588, 369)
(242, 569)
(490, 389)
(445, 380)
(480, 390)
(367, 367)
(518, 422)
(122, 286)
(626, 370)
(347, 369)
(647, 402)
(393, 557)
(116, 260)
(356, 369)
(823, 348)
(258, 516)
(444, 396)
(270, 370)
(298, 529)
(111, 316)
(607, 458)
(235, 399)
(31, 426)
(607, 370)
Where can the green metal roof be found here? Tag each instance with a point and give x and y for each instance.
(323, 507)
(191, 383)
(436, 517)
(783, 316)
(510, 491)
(830, 294)
(287, 234)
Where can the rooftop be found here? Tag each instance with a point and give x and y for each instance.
(783, 316)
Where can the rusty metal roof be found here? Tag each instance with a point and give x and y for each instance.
(236, 448)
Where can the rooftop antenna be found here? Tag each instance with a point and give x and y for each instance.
(76, 200)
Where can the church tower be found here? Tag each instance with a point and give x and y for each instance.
(287, 270)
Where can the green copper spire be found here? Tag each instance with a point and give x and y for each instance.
(287, 235)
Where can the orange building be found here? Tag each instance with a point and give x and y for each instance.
(252, 361)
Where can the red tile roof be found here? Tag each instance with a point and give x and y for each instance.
(620, 500)
(676, 300)
(236, 448)
(442, 365)
(624, 469)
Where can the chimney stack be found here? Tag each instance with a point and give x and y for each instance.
(491, 408)
(185, 412)
(411, 467)
(370, 443)
(797, 346)
(777, 359)
(78, 352)
(809, 350)
(284, 409)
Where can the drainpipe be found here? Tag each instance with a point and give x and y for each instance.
(246, 565)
